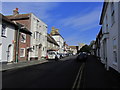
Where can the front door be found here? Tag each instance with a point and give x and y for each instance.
(10, 53)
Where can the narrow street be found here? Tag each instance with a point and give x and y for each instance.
(53, 74)
(65, 73)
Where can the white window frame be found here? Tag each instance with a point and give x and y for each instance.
(23, 52)
(21, 38)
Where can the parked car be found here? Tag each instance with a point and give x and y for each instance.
(53, 55)
(82, 56)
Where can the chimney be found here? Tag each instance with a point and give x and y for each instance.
(15, 12)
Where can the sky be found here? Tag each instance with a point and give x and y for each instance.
(78, 22)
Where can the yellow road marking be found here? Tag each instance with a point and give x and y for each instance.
(81, 73)
(78, 75)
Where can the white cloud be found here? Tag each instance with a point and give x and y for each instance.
(83, 21)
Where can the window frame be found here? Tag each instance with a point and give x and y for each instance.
(23, 52)
(25, 38)
(5, 30)
(115, 50)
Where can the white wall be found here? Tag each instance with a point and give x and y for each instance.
(0, 43)
(6, 42)
(119, 38)
(60, 42)
(42, 30)
(113, 33)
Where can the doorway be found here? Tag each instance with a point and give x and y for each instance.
(10, 53)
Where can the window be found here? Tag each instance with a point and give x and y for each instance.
(4, 30)
(115, 50)
(114, 44)
(22, 52)
(107, 27)
(112, 14)
(23, 38)
(106, 23)
(112, 18)
(115, 56)
(112, 6)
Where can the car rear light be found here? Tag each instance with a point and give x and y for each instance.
(46, 56)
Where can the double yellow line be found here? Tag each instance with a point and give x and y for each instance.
(77, 81)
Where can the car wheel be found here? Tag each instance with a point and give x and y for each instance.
(56, 59)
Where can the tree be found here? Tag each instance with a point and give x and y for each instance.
(85, 48)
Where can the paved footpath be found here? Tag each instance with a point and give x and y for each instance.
(9, 66)
(96, 76)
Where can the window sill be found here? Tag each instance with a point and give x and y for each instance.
(22, 56)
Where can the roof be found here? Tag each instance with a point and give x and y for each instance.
(51, 39)
(6, 19)
(23, 29)
(19, 16)
(105, 4)
(57, 35)
(73, 47)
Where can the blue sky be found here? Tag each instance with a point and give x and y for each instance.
(78, 22)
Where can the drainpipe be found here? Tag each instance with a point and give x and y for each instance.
(17, 43)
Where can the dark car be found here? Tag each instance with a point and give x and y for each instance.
(82, 56)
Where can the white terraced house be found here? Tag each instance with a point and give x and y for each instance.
(110, 40)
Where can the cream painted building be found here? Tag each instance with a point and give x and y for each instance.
(58, 38)
(39, 37)
(51, 44)
(73, 49)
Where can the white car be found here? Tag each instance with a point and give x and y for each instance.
(53, 55)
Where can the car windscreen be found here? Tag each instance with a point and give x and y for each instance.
(51, 53)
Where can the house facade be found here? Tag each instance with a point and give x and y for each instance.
(110, 40)
(51, 44)
(93, 47)
(22, 44)
(7, 32)
(38, 39)
(73, 49)
(58, 38)
(97, 43)
(66, 48)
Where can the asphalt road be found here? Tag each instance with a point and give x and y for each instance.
(52, 74)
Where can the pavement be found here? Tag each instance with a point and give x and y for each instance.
(10, 66)
(96, 76)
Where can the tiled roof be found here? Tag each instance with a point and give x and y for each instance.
(24, 30)
(73, 47)
(19, 16)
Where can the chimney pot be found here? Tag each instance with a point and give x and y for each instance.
(15, 11)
